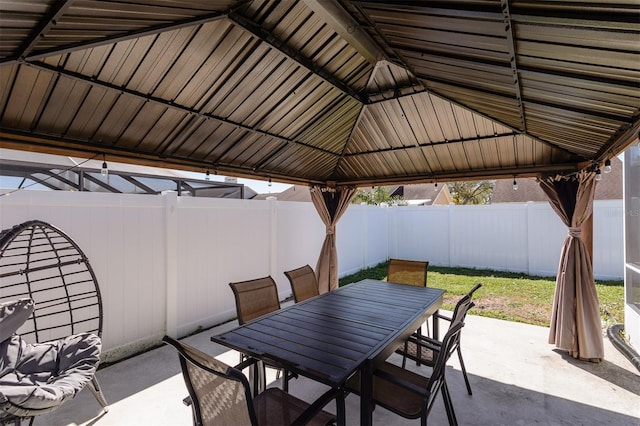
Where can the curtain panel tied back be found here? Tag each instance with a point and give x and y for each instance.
(331, 204)
(575, 318)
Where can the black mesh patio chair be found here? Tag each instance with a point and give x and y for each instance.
(409, 394)
(220, 395)
(424, 349)
(304, 283)
(255, 298)
(40, 263)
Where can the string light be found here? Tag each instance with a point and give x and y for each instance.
(515, 184)
(598, 174)
(269, 182)
(207, 175)
(607, 166)
(435, 186)
(105, 169)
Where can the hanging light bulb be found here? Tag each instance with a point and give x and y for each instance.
(515, 184)
(598, 174)
(607, 166)
(105, 169)
(207, 175)
(435, 186)
(269, 182)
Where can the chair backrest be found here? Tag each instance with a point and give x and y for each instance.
(410, 272)
(462, 307)
(40, 262)
(255, 298)
(220, 394)
(304, 284)
(473, 289)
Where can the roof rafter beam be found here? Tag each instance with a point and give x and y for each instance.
(483, 174)
(342, 23)
(49, 20)
(294, 55)
(54, 144)
(621, 140)
(431, 144)
(168, 104)
(508, 28)
(115, 38)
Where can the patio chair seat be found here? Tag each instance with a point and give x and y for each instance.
(275, 407)
(36, 378)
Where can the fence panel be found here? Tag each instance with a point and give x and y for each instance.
(420, 233)
(608, 241)
(164, 263)
(493, 236)
(123, 238)
(300, 234)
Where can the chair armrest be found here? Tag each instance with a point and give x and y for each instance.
(441, 316)
(425, 341)
(246, 363)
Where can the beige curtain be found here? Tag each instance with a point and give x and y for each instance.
(575, 319)
(331, 204)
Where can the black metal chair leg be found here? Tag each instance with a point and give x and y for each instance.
(464, 371)
(448, 405)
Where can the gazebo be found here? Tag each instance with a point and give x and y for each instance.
(339, 94)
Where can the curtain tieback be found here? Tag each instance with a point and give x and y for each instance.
(330, 230)
(575, 232)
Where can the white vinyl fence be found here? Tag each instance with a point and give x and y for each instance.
(163, 263)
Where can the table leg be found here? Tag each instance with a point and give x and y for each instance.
(436, 328)
(340, 409)
(257, 379)
(366, 395)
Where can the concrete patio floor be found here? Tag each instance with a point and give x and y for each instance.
(517, 378)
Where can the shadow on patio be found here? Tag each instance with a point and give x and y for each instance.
(516, 377)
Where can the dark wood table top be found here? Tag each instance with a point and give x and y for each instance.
(329, 337)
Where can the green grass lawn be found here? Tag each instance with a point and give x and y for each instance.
(506, 295)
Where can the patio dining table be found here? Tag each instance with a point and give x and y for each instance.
(330, 337)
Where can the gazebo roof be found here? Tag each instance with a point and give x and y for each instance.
(328, 92)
